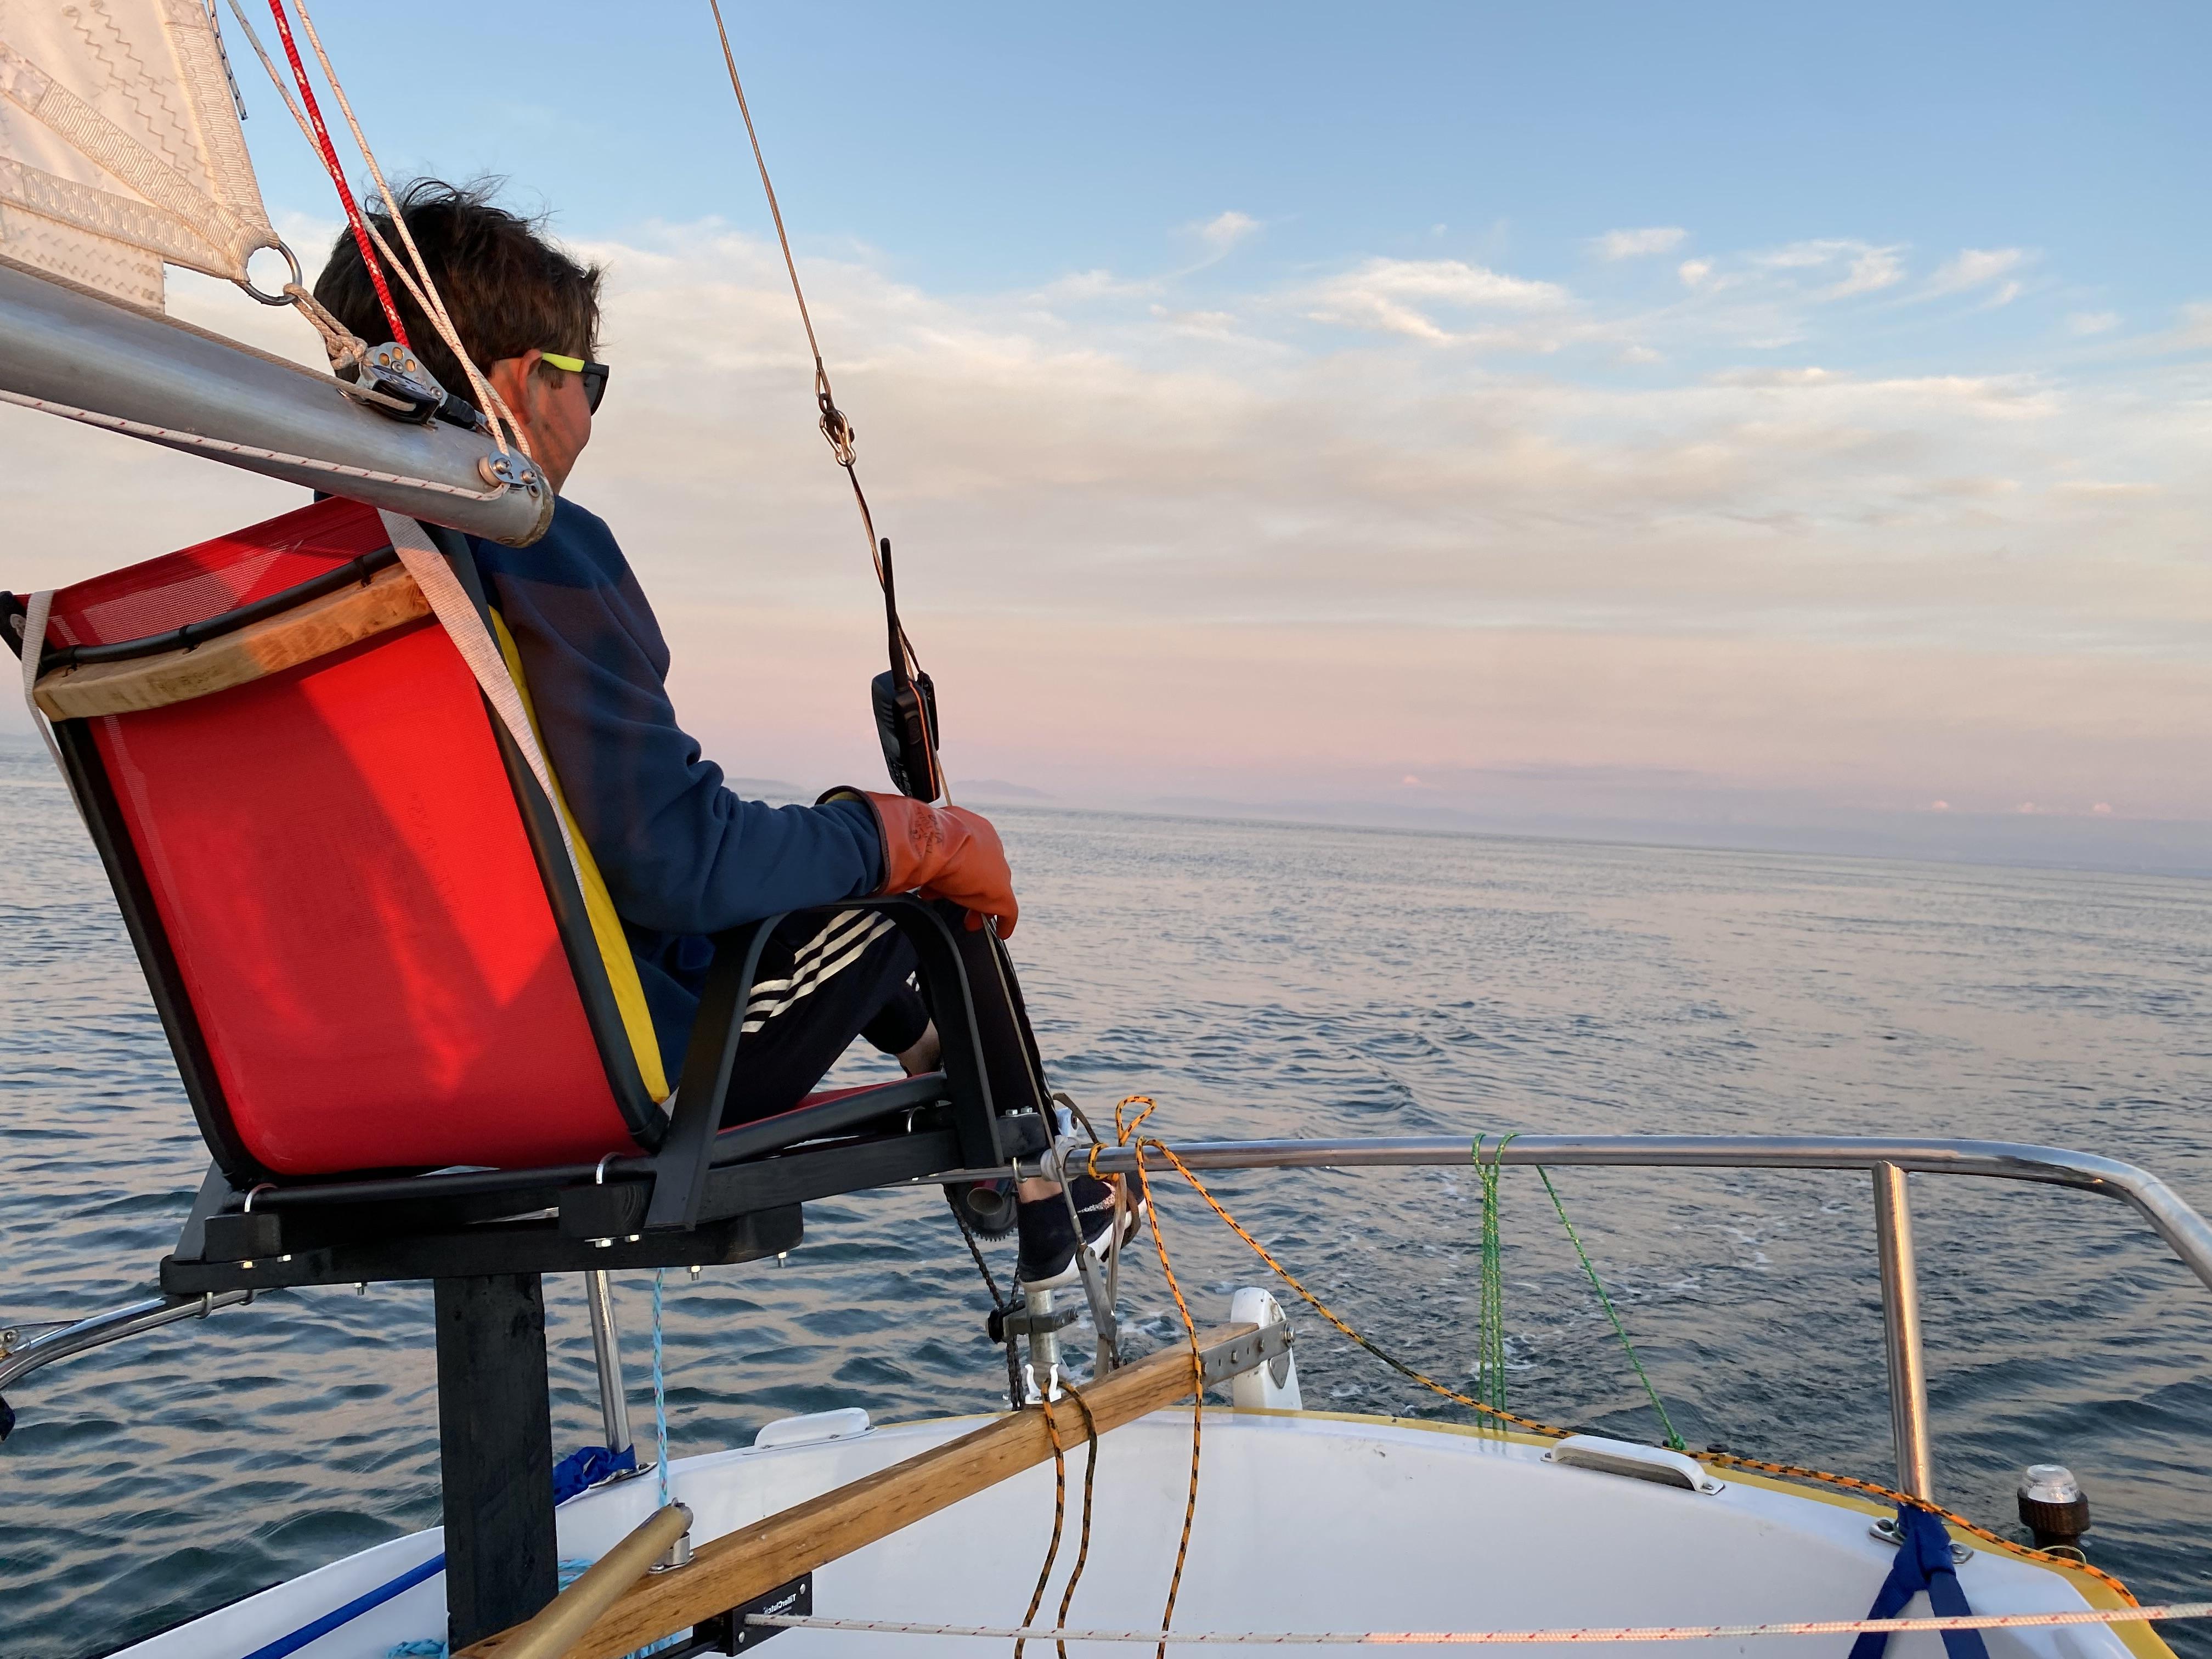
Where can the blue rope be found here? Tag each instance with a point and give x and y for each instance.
(659, 1394)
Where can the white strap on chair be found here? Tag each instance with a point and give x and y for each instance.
(457, 614)
(34, 647)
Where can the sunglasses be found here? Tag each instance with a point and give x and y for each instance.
(595, 375)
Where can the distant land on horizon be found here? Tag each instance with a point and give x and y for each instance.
(2075, 842)
(2122, 845)
(2145, 846)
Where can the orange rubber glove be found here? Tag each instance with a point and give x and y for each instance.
(943, 852)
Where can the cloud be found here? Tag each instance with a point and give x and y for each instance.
(2192, 330)
(1405, 296)
(1080, 285)
(2087, 323)
(1872, 270)
(1259, 545)
(1224, 232)
(1635, 244)
(2094, 489)
(1843, 267)
(1975, 267)
(1211, 325)
(1807, 255)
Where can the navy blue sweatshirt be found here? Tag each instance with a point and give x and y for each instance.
(681, 856)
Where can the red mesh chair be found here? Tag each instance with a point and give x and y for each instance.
(409, 1025)
(374, 959)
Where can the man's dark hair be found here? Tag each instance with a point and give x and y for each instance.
(507, 289)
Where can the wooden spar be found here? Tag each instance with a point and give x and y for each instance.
(733, 1569)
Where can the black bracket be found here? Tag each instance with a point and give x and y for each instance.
(729, 1633)
(1004, 1324)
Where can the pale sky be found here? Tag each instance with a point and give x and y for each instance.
(1595, 414)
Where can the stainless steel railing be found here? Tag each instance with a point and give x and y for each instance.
(1886, 1160)
(606, 1347)
(20, 1356)
(2186, 1232)
(1900, 1323)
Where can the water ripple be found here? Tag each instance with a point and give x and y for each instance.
(1259, 980)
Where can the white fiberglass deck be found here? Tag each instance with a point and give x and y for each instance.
(1305, 1522)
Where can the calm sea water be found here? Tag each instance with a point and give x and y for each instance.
(1257, 979)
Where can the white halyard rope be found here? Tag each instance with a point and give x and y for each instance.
(223, 445)
(427, 296)
(1502, 1638)
(500, 420)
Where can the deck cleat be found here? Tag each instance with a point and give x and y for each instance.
(1052, 1391)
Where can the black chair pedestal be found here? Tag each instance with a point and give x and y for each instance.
(494, 1453)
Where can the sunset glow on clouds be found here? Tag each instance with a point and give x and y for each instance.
(1670, 524)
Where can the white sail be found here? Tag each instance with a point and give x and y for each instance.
(119, 146)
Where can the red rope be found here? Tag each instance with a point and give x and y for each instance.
(338, 175)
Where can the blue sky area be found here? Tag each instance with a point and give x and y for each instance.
(988, 148)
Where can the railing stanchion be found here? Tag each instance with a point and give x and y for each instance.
(606, 1346)
(1900, 1318)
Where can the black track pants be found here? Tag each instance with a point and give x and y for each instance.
(819, 987)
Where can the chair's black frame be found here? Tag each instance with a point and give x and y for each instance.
(696, 1194)
(684, 1199)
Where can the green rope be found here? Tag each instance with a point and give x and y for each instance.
(1490, 1377)
(1674, 1441)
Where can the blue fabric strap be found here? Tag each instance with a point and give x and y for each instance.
(587, 1467)
(1923, 1563)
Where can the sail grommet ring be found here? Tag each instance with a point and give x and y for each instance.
(299, 277)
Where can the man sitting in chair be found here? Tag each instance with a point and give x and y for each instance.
(683, 857)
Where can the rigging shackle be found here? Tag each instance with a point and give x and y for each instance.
(834, 427)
